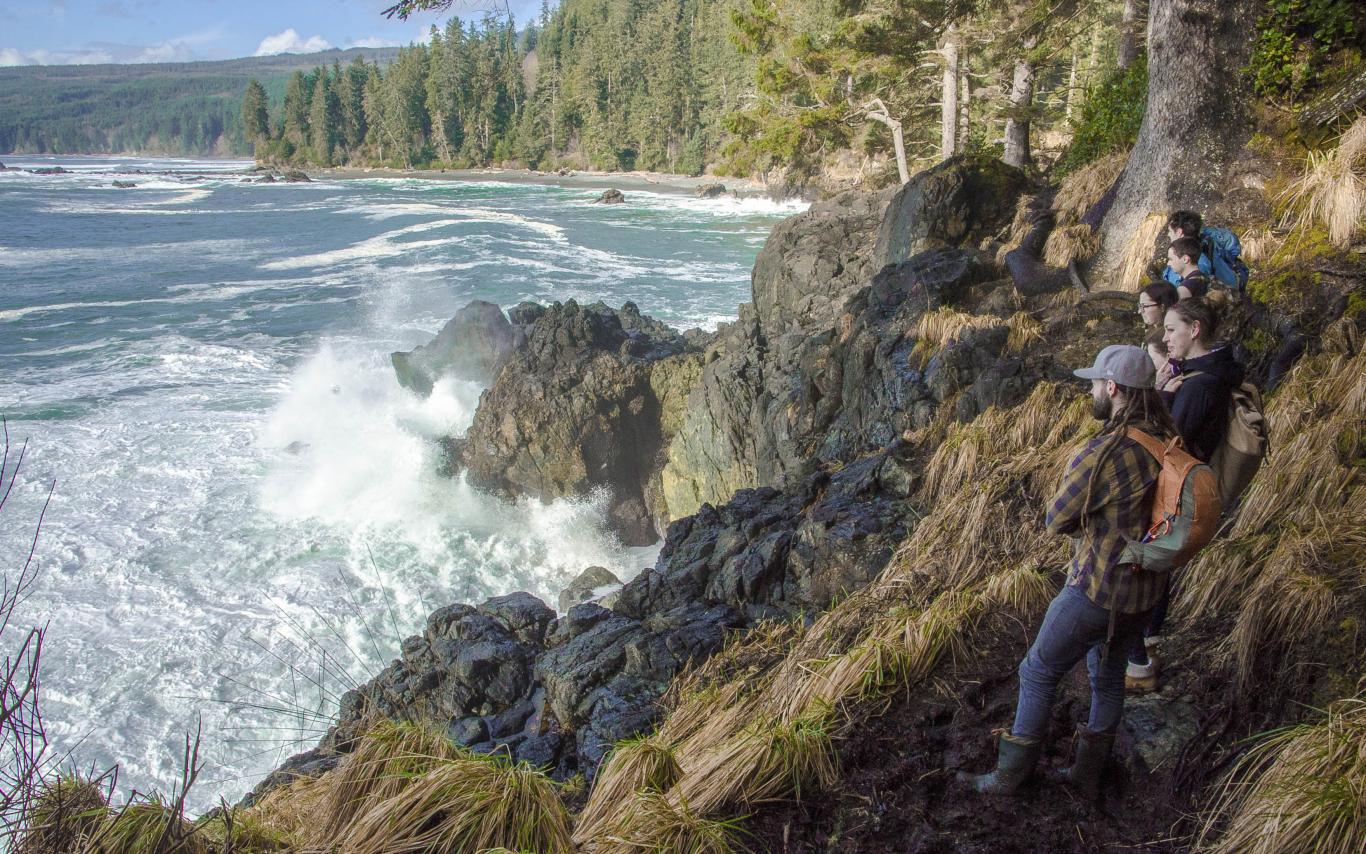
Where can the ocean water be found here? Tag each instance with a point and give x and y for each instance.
(246, 518)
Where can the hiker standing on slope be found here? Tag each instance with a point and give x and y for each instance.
(1198, 392)
(1105, 501)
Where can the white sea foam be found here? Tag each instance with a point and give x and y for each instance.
(241, 481)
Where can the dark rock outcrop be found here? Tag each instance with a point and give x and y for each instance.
(574, 411)
(124, 185)
(711, 191)
(585, 585)
(610, 196)
(956, 203)
(50, 170)
(473, 345)
(294, 176)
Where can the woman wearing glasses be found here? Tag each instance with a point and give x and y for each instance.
(1153, 302)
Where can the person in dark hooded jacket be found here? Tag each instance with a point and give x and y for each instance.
(1198, 394)
(1203, 377)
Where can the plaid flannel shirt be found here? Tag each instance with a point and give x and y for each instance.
(1120, 509)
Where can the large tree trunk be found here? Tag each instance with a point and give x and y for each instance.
(1196, 120)
(948, 108)
(1021, 102)
(1131, 31)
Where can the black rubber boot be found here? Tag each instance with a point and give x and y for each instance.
(1014, 764)
(1093, 750)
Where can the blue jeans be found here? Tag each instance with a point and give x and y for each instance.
(1075, 628)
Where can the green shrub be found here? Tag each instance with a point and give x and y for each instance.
(1109, 117)
(1296, 40)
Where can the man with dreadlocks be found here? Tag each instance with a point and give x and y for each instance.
(1105, 500)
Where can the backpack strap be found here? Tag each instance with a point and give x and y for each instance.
(1150, 443)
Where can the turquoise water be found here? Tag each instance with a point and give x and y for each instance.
(246, 518)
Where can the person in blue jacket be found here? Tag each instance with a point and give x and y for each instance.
(1186, 224)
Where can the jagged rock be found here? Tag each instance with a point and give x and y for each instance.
(266, 179)
(611, 196)
(311, 763)
(124, 185)
(573, 411)
(473, 345)
(468, 730)
(711, 191)
(1158, 727)
(294, 176)
(729, 436)
(527, 616)
(50, 170)
(585, 586)
(955, 203)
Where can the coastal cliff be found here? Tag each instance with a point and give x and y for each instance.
(796, 460)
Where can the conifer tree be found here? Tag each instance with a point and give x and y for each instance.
(255, 116)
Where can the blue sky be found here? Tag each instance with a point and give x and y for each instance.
(86, 31)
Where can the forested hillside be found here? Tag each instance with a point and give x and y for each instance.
(161, 108)
(790, 90)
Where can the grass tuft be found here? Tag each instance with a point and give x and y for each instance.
(1332, 189)
(467, 804)
(1302, 788)
(1138, 253)
(388, 758)
(654, 823)
(147, 825)
(66, 814)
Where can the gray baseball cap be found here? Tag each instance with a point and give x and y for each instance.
(1124, 363)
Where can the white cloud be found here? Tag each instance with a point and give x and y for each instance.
(290, 42)
(372, 41)
(13, 56)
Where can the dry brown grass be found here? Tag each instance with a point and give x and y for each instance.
(292, 810)
(652, 824)
(1071, 243)
(1261, 245)
(389, 757)
(1020, 226)
(1294, 562)
(642, 764)
(938, 329)
(1025, 329)
(466, 804)
(68, 812)
(1084, 187)
(1139, 254)
(1302, 788)
(771, 738)
(1331, 191)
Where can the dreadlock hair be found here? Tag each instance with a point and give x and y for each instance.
(1143, 409)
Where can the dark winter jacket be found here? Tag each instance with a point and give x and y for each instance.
(1200, 405)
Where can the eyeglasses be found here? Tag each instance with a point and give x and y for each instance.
(1146, 305)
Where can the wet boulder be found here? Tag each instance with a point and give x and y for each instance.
(611, 196)
(473, 345)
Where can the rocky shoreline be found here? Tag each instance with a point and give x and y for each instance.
(767, 455)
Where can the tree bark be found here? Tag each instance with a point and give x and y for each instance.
(964, 107)
(1196, 120)
(948, 107)
(1131, 31)
(878, 112)
(1021, 101)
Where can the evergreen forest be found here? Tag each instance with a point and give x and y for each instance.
(796, 89)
